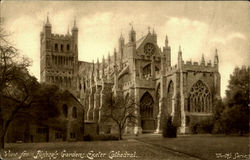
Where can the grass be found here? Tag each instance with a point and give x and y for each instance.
(91, 150)
(142, 147)
(204, 146)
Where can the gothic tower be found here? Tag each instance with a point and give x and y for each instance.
(59, 57)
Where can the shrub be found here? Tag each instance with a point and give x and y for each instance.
(169, 130)
(218, 127)
(194, 126)
(101, 137)
(202, 126)
(107, 137)
(88, 138)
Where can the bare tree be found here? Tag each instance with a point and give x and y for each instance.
(20, 93)
(120, 110)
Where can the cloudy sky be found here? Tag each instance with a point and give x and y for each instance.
(199, 27)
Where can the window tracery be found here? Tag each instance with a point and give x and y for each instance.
(199, 99)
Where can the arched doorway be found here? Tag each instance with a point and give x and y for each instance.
(147, 112)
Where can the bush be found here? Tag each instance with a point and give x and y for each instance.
(88, 138)
(101, 137)
(169, 130)
(202, 126)
(218, 127)
(235, 120)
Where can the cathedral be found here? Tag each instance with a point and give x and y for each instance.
(138, 68)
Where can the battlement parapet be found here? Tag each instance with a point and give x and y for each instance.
(62, 36)
(189, 65)
(172, 68)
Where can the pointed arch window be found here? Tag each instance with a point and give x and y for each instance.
(199, 99)
(68, 47)
(62, 47)
(56, 47)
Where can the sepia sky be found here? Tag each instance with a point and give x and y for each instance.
(199, 27)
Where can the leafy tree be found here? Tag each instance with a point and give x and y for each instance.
(120, 110)
(235, 117)
(238, 88)
(20, 93)
(219, 106)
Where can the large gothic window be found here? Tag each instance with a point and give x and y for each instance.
(146, 106)
(170, 97)
(199, 99)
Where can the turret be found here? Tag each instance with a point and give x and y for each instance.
(131, 46)
(47, 28)
(97, 69)
(154, 35)
(167, 52)
(93, 70)
(109, 60)
(115, 56)
(75, 37)
(121, 45)
(68, 31)
(202, 60)
(109, 65)
(216, 58)
(180, 57)
(132, 35)
(166, 41)
(103, 67)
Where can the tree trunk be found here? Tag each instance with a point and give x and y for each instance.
(3, 132)
(120, 133)
(2, 141)
(2, 135)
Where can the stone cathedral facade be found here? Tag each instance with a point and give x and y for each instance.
(139, 68)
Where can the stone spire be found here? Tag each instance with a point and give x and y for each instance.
(202, 59)
(68, 31)
(103, 66)
(180, 52)
(115, 54)
(97, 69)
(47, 24)
(166, 41)
(132, 34)
(216, 57)
(180, 58)
(121, 45)
(154, 36)
(74, 27)
(149, 30)
(121, 37)
(109, 59)
(93, 70)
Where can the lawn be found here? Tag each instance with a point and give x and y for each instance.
(97, 150)
(209, 147)
(143, 147)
